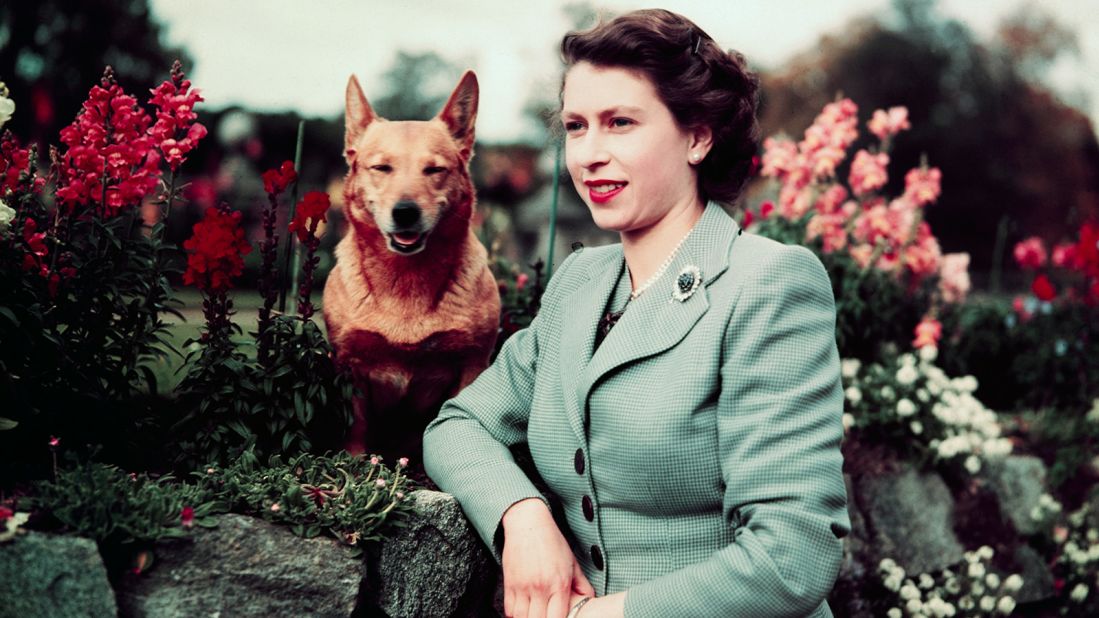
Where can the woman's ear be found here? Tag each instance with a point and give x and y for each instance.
(702, 139)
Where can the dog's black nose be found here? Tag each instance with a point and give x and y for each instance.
(406, 213)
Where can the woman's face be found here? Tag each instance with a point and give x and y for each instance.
(628, 158)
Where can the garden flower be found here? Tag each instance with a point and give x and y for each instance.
(928, 332)
(916, 427)
(1005, 605)
(914, 607)
(954, 281)
(380, 483)
(175, 132)
(765, 209)
(1030, 254)
(374, 460)
(1013, 583)
(1064, 255)
(311, 211)
(907, 375)
(216, 251)
(868, 172)
(987, 603)
(972, 464)
(894, 612)
(1079, 593)
(928, 354)
(849, 367)
(1043, 288)
(848, 421)
(521, 281)
(187, 517)
(402, 462)
(908, 591)
(888, 123)
(54, 441)
(275, 181)
(275, 508)
(905, 407)
(922, 185)
(7, 215)
(831, 228)
(853, 394)
(5, 514)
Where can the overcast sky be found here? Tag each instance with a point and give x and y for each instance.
(290, 55)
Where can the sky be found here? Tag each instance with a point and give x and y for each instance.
(275, 55)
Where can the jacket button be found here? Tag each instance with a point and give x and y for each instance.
(578, 461)
(589, 510)
(597, 557)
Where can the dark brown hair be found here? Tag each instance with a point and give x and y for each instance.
(700, 83)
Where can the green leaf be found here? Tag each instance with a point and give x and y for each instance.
(7, 423)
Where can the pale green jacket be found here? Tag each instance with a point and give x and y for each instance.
(711, 460)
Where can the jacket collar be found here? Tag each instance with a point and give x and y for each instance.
(651, 324)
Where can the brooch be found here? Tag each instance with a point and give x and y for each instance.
(686, 283)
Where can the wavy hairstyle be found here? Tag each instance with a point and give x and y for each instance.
(700, 83)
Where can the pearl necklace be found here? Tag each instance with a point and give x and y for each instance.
(659, 271)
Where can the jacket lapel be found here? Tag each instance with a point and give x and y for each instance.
(651, 324)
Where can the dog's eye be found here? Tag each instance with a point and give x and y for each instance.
(434, 169)
(385, 169)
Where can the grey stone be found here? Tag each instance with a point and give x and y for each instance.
(435, 566)
(910, 518)
(245, 567)
(53, 575)
(854, 568)
(1018, 482)
(1037, 579)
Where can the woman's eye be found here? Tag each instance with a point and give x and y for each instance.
(621, 122)
(385, 169)
(573, 126)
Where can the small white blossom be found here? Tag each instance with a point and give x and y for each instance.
(972, 464)
(923, 395)
(848, 421)
(907, 375)
(928, 353)
(853, 394)
(987, 603)
(908, 591)
(892, 582)
(887, 393)
(905, 407)
(1006, 605)
(985, 552)
(966, 603)
(1013, 583)
(1093, 414)
(952, 586)
(1079, 593)
(916, 427)
(7, 215)
(992, 580)
(894, 612)
(914, 606)
(926, 581)
(849, 367)
(7, 106)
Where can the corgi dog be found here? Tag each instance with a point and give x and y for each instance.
(411, 306)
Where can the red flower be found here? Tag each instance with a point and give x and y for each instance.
(5, 514)
(311, 211)
(275, 181)
(176, 133)
(14, 161)
(928, 332)
(1043, 288)
(748, 217)
(765, 209)
(216, 251)
(1030, 254)
(187, 517)
(54, 441)
(521, 281)
(1087, 249)
(317, 494)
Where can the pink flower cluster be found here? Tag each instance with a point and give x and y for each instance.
(1079, 261)
(877, 232)
(114, 149)
(176, 133)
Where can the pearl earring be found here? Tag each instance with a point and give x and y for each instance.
(695, 157)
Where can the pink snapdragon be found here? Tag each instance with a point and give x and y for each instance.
(886, 124)
(923, 185)
(928, 333)
(868, 172)
(830, 227)
(954, 281)
(175, 132)
(1030, 253)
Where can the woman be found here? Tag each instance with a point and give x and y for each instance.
(679, 392)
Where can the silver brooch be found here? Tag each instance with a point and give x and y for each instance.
(686, 283)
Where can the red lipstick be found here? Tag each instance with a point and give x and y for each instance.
(603, 197)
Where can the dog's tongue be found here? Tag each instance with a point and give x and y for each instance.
(406, 239)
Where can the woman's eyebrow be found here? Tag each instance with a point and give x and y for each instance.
(611, 111)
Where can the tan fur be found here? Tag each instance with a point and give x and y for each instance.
(414, 329)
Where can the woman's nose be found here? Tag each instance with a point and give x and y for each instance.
(590, 150)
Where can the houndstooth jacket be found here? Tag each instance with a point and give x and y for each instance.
(694, 460)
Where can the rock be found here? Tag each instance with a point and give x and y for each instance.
(1037, 579)
(1018, 481)
(245, 567)
(845, 597)
(435, 566)
(53, 575)
(909, 518)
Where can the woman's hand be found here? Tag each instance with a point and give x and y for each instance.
(610, 606)
(541, 576)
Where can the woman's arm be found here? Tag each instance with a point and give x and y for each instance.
(779, 433)
(466, 447)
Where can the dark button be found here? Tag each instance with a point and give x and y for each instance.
(589, 510)
(597, 557)
(578, 461)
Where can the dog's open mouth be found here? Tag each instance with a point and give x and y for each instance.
(406, 242)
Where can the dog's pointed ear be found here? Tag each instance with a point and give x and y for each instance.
(460, 113)
(358, 116)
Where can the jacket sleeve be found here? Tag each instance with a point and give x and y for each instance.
(779, 434)
(467, 447)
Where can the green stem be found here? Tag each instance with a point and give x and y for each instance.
(289, 269)
(553, 210)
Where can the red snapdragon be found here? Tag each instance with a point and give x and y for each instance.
(311, 210)
(175, 132)
(217, 251)
(275, 181)
(1030, 254)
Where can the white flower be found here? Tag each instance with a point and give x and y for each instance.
(992, 580)
(907, 374)
(853, 394)
(893, 582)
(1093, 414)
(908, 591)
(894, 612)
(966, 603)
(1006, 605)
(928, 353)
(1093, 535)
(886, 564)
(887, 393)
(952, 586)
(7, 108)
(1079, 593)
(916, 427)
(985, 552)
(976, 569)
(987, 603)
(848, 421)
(849, 367)
(972, 464)
(1013, 583)
(914, 606)
(926, 581)
(905, 407)
(923, 395)
(7, 215)
(977, 587)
